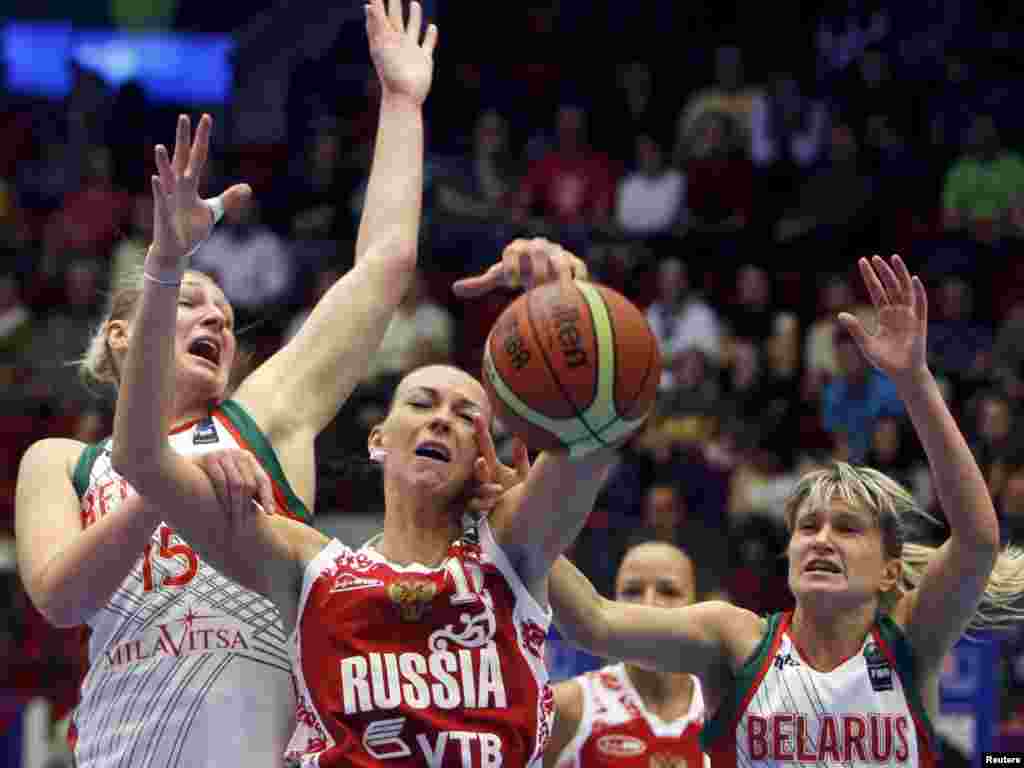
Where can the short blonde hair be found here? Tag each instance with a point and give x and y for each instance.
(892, 505)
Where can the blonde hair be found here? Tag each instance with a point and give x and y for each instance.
(99, 365)
(894, 508)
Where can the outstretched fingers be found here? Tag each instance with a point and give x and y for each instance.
(893, 288)
(413, 26)
(430, 39)
(200, 150)
(872, 283)
(182, 145)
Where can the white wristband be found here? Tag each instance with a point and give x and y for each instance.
(216, 206)
(170, 278)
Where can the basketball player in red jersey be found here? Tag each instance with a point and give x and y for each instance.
(424, 647)
(624, 714)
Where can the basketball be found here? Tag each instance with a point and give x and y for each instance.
(571, 367)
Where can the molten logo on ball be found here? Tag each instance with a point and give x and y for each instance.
(514, 346)
(566, 319)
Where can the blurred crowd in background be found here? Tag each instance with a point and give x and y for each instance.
(722, 166)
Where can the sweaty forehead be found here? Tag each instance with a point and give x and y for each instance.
(656, 560)
(198, 282)
(835, 507)
(447, 382)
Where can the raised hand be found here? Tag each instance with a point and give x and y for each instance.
(898, 347)
(181, 220)
(493, 478)
(525, 263)
(404, 65)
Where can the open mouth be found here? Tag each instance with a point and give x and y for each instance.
(207, 349)
(821, 566)
(435, 451)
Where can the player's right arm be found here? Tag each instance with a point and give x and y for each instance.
(568, 714)
(70, 572)
(701, 639)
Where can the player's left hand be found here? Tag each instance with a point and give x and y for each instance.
(181, 219)
(898, 348)
(494, 479)
(404, 65)
(525, 263)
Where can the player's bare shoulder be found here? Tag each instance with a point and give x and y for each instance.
(738, 630)
(53, 453)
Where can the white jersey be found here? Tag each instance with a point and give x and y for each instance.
(186, 668)
(867, 711)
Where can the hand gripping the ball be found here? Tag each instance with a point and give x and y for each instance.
(525, 263)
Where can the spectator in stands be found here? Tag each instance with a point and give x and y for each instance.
(756, 575)
(664, 512)
(471, 220)
(729, 95)
(66, 332)
(652, 199)
(985, 185)
(788, 127)
(719, 176)
(833, 205)
(868, 88)
(764, 478)
(421, 332)
(991, 419)
(46, 176)
(895, 451)
(252, 264)
(90, 218)
(855, 399)
(835, 295)
(310, 197)
(15, 321)
(1008, 353)
(751, 315)
(681, 319)
(635, 106)
(846, 30)
(789, 136)
(687, 413)
(952, 103)
(130, 252)
(1010, 495)
(572, 186)
(959, 346)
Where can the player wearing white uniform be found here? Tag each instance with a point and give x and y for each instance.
(181, 671)
(868, 710)
(852, 676)
(177, 638)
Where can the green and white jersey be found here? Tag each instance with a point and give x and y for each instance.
(782, 712)
(186, 668)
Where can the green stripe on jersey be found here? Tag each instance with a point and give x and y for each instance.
(724, 720)
(83, 467)
(264, 451)
(906, 668)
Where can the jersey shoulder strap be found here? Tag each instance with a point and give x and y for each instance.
(747, 679)
(83, 467)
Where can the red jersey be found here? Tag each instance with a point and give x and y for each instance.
(617, 730)
(420, 666)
